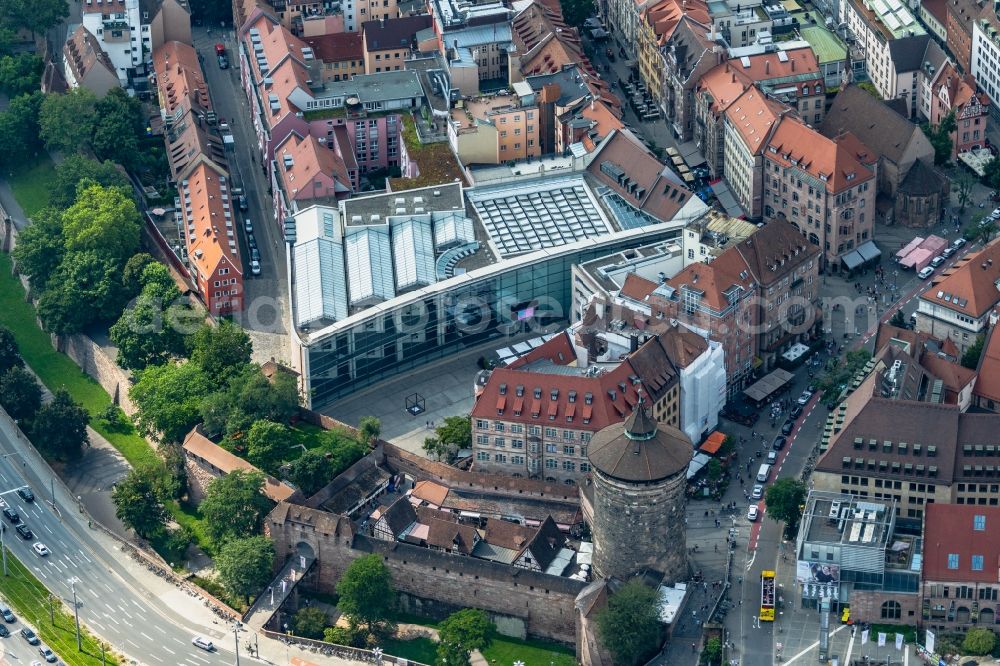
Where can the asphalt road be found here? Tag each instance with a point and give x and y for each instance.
(112, 603)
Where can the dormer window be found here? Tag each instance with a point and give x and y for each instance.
(538, 393)
(503, 389)
(519, 390)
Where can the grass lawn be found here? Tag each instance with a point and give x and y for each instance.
(421, 649)
(29, 600)
(190, 517)
(31, 185)
(56, 369)
(505, 650)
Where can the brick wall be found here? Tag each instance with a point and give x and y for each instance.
(96, 363)
(866, 606)
(441, 582)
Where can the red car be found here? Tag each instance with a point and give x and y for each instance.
(220, 49)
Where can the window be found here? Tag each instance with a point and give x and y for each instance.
(569, 450)
(551, 464)
(569, 465)
(977, 562)
(482, 456)
(952, 560)
(584, 467)
(891, 610)
(979, 523)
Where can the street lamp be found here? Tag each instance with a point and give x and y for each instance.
(236, 636)
(76, 612)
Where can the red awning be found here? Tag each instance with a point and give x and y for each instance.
(588, 411)
(536, 407)
(570, 410)
(553, 408)
(713, 443)
(501, 403)
(518, 405)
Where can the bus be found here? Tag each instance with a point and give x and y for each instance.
(767, 596)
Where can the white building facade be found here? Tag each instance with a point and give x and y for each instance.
(122, 34)
(703, 390)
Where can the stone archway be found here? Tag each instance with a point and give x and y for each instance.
(306, 550)
(987, 616)
(962, 615)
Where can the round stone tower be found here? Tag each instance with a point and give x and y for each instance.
(640, 473)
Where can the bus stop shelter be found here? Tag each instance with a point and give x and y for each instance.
(762, 390)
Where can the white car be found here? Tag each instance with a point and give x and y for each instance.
(925, 272)
(757, 492)
(805, 398)
(753, 513)
(937, 261)
(959, 242)
(40, 548)
(203, 643)
(255, 267)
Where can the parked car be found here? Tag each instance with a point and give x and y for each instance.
(255, 267)
(959, 242)
(28, 635)
(753, 513)
(925, 272)
(251, 242)
(203, 643)
(243, 202)
(248, 225)
(757, 492)
(947, 252)
(223, 62)
(47, 654)
(787, 427)
(255, 254)
(778, 443)
(7, 614)
(772, 457)
(25, 533)
(4, 631)
(220, 49)
(40, 548)
(805, 398)
(796, 412)
(937, 261)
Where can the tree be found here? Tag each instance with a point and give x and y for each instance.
(249, 397)
(970, 359)
(630, 625)
(134, 269)
(103, 219)
(168, 398)
(40, 248)
(36, 16)
(139, 500)
(20, 74)
(19, 127)
(714, 470)
(369, 429)
(940, 138)
(77, 169)
(244, 565)
(461, 633)
(576, 12)
(146, 333)
(267, 443)
(84, 288)
(211, 13)
(455, 432)
(898, 319)
(310, 622)
(979, 641)
(991, 173)
(20, 394)
(222, 351)
(963, 187)
(310, 472)
(59, 429)
(366, 594)
(784, 498)
(10, 355)
(235, 505)
(712, 654)
(67, 121)
(117, 127)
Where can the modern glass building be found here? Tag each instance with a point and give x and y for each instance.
(484, 289)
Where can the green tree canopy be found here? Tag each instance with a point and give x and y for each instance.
(244, 565)
(20, 74)
(168, 398)
(461, 633)
(576, 12)
(898, 319)
(235, 505)
(117, 127)
(20, 394)
(222, 351)
(310, 472)
(366, 594)
(59, 429)
(139, 499)
(40, 247)
(249, 397)
(369, 428)
(67, 121)
(19, 127)
(134, 268)
(940, 138)
(991, 173)
(784, 498)
(970, 359)
(76, 169)
(103, 219)
(267, 444)
(979, 641)
(630, 625)
(10, 355)
(147, 332)
(36, 16)
(310, 622)
(85, 288)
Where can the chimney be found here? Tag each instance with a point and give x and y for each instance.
(792, 60)
(767, 66)
(734, 77)
(592, 104)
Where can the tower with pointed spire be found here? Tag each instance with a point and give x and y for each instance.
(639, 473)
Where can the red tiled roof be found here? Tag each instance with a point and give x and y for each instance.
(949, 529)
(754, 115)
(988, 381)
(973, 280)
(795, 144)
(637, 287)
(337, 47)
(768, 66)
(713, 279)
(724, 83)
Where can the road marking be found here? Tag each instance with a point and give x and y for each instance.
(156, 658)
(160, 629)
(199, 658)
(750, 563)
(110, 589)
(814, 645)
(148, 638)
(168, 649)
(40, 572)
(81, 553)
(112, 619)
(47, 529)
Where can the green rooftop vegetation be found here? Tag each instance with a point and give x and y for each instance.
(436, 162)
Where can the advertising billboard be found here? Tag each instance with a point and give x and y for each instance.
(816, 572)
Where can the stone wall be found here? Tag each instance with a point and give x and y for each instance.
(442, 582)
(198, 478)
(639, 527)
(95, 362)
(866, 606)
